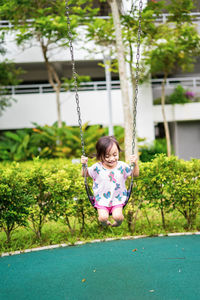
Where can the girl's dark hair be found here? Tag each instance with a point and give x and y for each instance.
(104, 144)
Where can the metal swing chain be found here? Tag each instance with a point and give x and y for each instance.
(137, 76)
(136, 81)
(136, 92)
(76, 87)
(75, 78)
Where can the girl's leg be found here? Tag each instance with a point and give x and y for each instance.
(103, 216)
(117, 216)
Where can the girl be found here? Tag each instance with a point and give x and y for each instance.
(109, 176)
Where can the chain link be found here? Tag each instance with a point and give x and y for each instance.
(137, 75)
(75, 78)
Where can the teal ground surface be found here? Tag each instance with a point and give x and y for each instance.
(161, 268)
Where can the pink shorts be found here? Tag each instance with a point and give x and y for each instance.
(109, 209)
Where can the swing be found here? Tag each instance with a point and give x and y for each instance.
(87, 188)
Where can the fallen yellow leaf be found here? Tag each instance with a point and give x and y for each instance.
(134, 250)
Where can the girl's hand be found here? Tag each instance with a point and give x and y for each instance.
(133, 159)
(84, 160)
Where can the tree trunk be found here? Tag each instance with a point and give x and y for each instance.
(8, 235)
(163, 214)
(71, 228)
(37, 224)
(132, 219)
(148, 221)
(123, 78)
(129, 220)
(82, 219)
(58, 106)
(133, 82)
(53, 80)
(39, 234)
(166, 127)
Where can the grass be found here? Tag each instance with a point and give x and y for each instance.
(58, 233)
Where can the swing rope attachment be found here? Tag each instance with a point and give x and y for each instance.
(88, 191)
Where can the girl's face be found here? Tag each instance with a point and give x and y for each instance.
(111, 158)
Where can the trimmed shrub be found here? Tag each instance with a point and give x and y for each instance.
(15, 198)
(33, 192)
(184, 189)
(48, 183)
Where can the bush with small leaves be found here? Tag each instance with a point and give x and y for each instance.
(15, 198)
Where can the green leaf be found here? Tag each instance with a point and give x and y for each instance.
(12, 136)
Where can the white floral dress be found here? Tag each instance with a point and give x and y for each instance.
(109, 184)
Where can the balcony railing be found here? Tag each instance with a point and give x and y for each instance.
(47, 88)
(191, 82)
(184, 81)
(161, 19)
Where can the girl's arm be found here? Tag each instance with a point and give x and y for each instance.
(134, 160)
(84, 161)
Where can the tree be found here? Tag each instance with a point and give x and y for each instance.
(48, 27)
(9, 75)
(175, 45)
(167, 46)
(121, 38)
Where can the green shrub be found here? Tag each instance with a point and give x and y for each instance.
(178, 96)
(147, 153)
(75, 207)
(184, 189)
(33, 192)
(167, 184)
(15, 198)
(51, 142)
(156, 178)
(18, 145)
(49, 184)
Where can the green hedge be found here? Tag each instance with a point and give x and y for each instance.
(33, 192)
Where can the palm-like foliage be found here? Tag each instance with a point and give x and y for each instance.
(51, 141)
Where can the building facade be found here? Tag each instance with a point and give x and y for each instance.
(36, 101)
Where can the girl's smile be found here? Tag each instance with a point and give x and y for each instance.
(111, 158)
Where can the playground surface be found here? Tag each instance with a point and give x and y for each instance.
(163, 268)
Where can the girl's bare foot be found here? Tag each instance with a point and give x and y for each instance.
(108, 223)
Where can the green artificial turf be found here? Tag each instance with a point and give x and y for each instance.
(147, 268)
